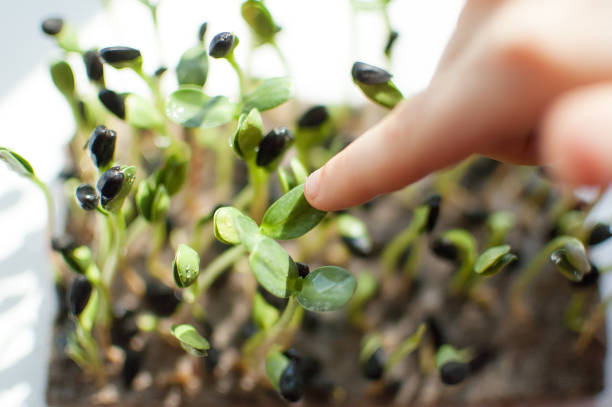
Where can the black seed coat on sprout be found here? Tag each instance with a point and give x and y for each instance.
(393, 35)
(303, 269)
(437, 336)
(80, 291)
(131, 366)
(94, 66)
(359, 246)
(221, 45)
(123, 328)
(589, 280)
(202, 31)
(483, 358)
(87, 197)
(599, 233)
(109, 184)
(374, 367)
(272, 145)
(434, 211)
(369, 74)
(445, 249)
(212, 359)
(113, 101)
(161, 299)
(290, 383)
(453, 372)
(63, 243)
(313, 117)
(102, 146)
(475, 216)
(52, 26)
(114, 55)
(160, 71)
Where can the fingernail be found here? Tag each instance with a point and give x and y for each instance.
(311, 189)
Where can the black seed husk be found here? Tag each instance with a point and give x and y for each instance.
(482, 359)
(445, 250)
(202, 31)
(80, 291)
(221, 45)
(119, 54)
(87, 197)
(589, 280)
(102, 146)
(131, 366)
(600, 233)
(393, 36)
(52, 26)
(313, 117)
(453, 372)
(63, 243)
(160, 71)
(161, 299)
(374, 367)
(437, 336)
(110, 184)
(113, 101)
(290, 383)
(359, 246)
(272, 145)
(212, 359)
(94, 66)
(123, 328)
(434, 211)
(369, 74)
(303, 269)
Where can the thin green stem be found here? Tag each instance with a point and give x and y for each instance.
(534, 267)
(218, 266)
(241, 80)
(281, 57)
(396, 247)
(50, 204)
(258, 178)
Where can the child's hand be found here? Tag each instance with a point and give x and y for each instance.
(524, 81)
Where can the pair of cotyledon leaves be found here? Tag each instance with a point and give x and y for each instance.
(324, 289)
(190, 107)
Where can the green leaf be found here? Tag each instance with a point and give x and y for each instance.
(87, 318)
(160, 205)
(276, 363)
(234, 227)
(405, 348)
(185, 106)
(16, 162)
(493, 260)
(142, 113)
(63, 78)
(260, 20)
(326, 289)
(186, 266)
(350, 226)
(273, 268)
(447, 353)
(290, 216)
(190, 339)
(117, 202)
(571, 259)
(249, 133)
(144, 198)
(271, 93)
(385, 94)
(190, 107)
(192, 68)
(174, 171)
(264, 314)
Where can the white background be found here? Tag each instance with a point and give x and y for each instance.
(321, 44)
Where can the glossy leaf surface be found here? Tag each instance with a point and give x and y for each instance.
(269, 94)
(190, 339)
(326, 289)
(273, 268)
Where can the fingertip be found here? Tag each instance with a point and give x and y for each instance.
(576, 138)
(311, 188)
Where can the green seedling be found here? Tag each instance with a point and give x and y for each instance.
(376, 84)
(493, 260)
(355, 235)
(405, 348)
(101, 145)
(452, 364)
(458, 245)
(372, 358)
(190, 340)
(186, 266)
(498, 225)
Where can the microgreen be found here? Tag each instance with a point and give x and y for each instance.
(190, 339)
(376, 84)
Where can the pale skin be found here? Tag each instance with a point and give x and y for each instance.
(523, 81)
